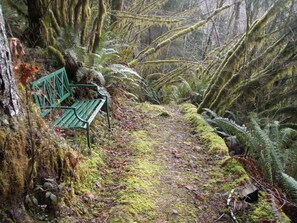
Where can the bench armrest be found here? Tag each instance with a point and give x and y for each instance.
(65, 107)
(91, 85)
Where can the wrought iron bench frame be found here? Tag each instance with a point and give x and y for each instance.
(51, 90)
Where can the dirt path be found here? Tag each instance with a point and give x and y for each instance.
(159, 172)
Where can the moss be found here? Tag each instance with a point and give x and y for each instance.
(154, 110)
(262, 211)
(54, 22)
(57, 54)
(141, 145)
(13, 160)
(165, 114)
(215, 143)
(136, 202)
(236, 174)
(86, 182)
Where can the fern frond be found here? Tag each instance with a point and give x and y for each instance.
(290, 184)
(232, 128)
(288, 135)
(233, 116)
(186, 84)
(274, 134)
(258, 132)
(121, 69)
(270, 150)
(211, 112)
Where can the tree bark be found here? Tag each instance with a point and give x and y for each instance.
(9, 99)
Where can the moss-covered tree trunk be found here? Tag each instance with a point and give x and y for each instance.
(95, 39)
(9, 99)
(226, 77)
(116, 5)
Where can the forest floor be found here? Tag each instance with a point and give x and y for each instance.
(156, 169)
(160, 172)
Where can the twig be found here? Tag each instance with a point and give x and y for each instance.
(219, 218)
(228, 204)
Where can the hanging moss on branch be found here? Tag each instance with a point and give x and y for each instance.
(64, 4)
(57, 54)
(170, 76)
(162, 62)
(151, 50)
(148, 19)
(224, 77)
(54, 22)
(264, 78)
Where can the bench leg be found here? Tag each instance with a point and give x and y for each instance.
(107, 113)
(88, 135)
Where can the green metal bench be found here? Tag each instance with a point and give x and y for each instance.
(51, 90)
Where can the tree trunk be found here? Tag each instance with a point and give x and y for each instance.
(95, 39)
(34, 32)
(116, 5)
(9, 99)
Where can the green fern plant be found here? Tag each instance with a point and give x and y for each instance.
(230, 130)
(290, 184)
(118, 75)
(273, 147)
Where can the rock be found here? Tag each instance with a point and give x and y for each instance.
(5, 122)
(174, 212)
(165, 114)
(249, 193)
(138, 190)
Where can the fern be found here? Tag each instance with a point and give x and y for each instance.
(124, 70)
(288, 136)
(267, 150)
(290, 184)
(151, 95)
(271, 146)
(212, 113)
(233, 116)
(229, 126)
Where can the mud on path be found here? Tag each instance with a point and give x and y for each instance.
(159, 171)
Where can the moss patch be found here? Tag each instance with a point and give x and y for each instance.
(87, 173)
(215, 143)
(154, 110)
(135, 202)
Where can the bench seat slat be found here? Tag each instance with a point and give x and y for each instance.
(91, 118)
(85, 109)
(68, 116)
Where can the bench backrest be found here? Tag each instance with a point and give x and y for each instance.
(51, 90)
